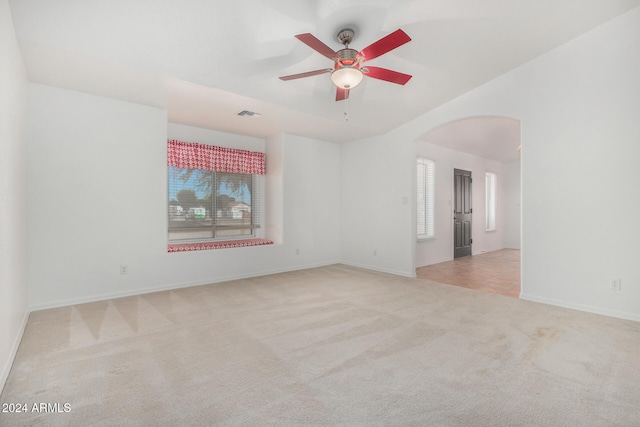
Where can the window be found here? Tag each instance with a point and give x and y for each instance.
(214, 197)
(425, 198)
(212, 205)
(490, 205)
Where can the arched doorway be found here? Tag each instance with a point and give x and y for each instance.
(487, 148)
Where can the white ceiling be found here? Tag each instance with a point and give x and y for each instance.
(206, 60)
(496, 138)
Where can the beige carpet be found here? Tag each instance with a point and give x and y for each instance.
(327, 346)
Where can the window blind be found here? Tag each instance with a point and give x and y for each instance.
(425, 198)
(490, 202)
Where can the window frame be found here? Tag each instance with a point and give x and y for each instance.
(490, 201)
(214, 159)
(215, 228)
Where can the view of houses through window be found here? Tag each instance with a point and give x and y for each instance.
(209, 205)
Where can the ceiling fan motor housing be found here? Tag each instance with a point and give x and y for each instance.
(345, 36)
(347, 58)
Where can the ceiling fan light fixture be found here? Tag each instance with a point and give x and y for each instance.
(346, 77)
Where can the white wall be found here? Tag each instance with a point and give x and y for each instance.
(13, 194)
(579, 106)
(311, 172)
(378, 211)
(512, 202)
(213, 137)
(98, 194)
(440, 248)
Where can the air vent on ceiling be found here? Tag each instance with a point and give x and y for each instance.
(247, 113)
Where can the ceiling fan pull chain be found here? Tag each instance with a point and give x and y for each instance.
(346, 110)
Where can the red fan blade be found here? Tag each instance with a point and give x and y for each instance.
(341, 94)
(315, 44)
(387, 75)
(384, 45)
(307, 74)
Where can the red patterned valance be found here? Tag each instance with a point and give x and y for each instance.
(193, 155)
(186, 247)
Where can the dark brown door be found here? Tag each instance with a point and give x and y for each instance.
(462, 213)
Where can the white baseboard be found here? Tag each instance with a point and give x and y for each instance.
(435, 261)
(581, 307)
(381, 270)
(148, 290)
(6, 369)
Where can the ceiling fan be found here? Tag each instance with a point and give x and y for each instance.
(347, 72)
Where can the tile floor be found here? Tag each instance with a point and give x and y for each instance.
(496, 272)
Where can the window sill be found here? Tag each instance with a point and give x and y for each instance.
(425, 239)
(203, 246)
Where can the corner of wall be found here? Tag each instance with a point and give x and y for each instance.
(13, 350)
(274, 192)
(13, 193)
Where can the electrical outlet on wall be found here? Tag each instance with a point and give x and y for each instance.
(124, 269)
(616, 284)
